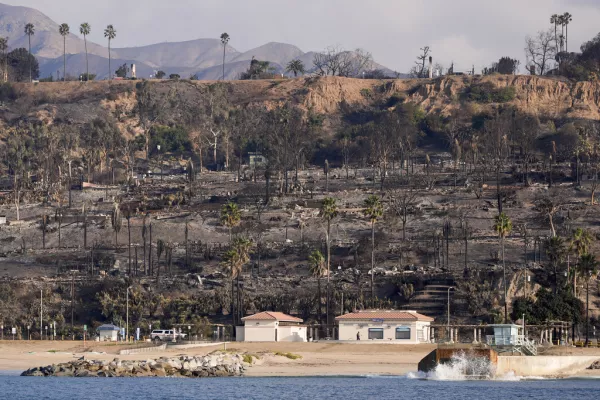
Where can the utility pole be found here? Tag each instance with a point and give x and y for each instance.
(72, 309)
(127, 317)
(449, 308)
(41, 310)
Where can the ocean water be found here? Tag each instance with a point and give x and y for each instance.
(347, 388)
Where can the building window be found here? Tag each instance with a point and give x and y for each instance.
(375, 333)
(403, 332)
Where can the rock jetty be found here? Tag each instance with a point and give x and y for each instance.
(213, 365)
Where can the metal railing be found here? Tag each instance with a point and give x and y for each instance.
(520, 342)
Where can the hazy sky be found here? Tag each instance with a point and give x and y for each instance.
(464, 31)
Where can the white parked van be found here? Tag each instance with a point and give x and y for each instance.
(159, 335)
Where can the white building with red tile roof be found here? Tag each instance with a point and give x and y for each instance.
(398, 326)
(271, 326)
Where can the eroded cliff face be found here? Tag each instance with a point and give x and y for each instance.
(75, 103)
(549, 97)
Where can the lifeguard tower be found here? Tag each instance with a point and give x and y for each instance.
(511, 338)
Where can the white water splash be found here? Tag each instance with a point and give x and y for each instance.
(461, 367)
(464, 367)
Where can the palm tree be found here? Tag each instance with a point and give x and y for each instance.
(296, 67)
(555, 250)
(85, 29)
(230, 217)
(373, 210)
(116, 222)
(30, 31)
(580, 242)
(566, 20)
(224, 40)
(110, 33)
(64, 29)
(233, 261)
(3, 50)
(318, 270)
(554, 19)
(588, 267)
(328, 212)
(503, 227)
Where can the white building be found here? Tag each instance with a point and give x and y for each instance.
(397, 326)
(270, 326)
(108, 333)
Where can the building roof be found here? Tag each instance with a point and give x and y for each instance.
(271, 316)
(108, 327)
(384, 315)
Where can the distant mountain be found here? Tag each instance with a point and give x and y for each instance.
(195, 54)
(46, 42)
(200, 57)
(98, 66)
(279, 53)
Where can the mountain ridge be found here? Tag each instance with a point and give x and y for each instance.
(202, 57)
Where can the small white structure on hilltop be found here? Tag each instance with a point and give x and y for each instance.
(398, 326)
(270, 326)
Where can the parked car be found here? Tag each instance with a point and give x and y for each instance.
(159, 335)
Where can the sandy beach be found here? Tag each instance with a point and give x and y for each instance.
(318, 359)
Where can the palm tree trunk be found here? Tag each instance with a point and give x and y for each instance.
(109, 67)
(64, 58)
(87, 66)
(224, 47)
(372, 263)
(320, 318)
(30, 66)
(232, 303)
(587, 313)
(504, 279)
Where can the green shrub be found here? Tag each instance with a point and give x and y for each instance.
(291, 356)
(7, 92)
(170, 139)
(396, 98)
(366, 93)
(487, 93)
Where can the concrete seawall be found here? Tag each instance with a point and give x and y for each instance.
(140, 350)
(543, 365)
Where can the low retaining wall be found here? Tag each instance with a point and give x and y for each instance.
(143, 350)
(543, 365)
(193, 345)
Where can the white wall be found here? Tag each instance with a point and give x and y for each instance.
(349, 329)
(264, 331)
(108, 336)
(291, 334)
(259, 331)
(543, 365)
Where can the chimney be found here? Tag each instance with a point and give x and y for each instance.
(430, 67)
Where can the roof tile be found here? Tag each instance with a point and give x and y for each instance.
(271, 316)
(385, 315)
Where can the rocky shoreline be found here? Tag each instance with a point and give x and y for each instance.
(213, 365)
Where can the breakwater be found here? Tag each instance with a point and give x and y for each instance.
(212, 365)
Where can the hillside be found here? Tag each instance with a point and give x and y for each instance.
(544, 97)
(413, 267)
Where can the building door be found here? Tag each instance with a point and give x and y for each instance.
(276, 334)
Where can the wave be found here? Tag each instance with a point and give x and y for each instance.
(465, 367)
